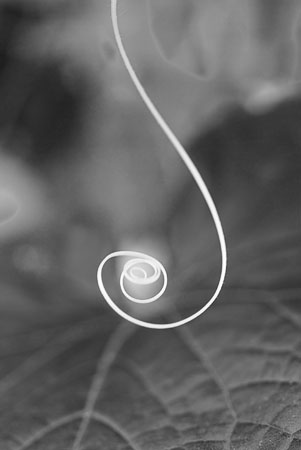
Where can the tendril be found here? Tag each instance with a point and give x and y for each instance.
(134, 270)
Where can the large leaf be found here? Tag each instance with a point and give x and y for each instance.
(232, 380)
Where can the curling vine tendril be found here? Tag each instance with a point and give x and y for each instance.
(142, 269)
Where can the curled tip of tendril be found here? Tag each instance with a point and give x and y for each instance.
(139, 270)
(142, 271)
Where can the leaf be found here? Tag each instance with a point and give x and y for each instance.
(83, 382)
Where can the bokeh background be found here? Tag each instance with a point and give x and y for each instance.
(84, 167)
(85, 170)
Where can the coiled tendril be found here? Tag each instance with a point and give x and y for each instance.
(140, 270)
(135, 269)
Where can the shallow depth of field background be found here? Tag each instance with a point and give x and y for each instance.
(85, 170)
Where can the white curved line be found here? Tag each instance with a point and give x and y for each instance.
(197, 178)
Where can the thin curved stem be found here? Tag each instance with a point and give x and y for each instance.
(191, 168)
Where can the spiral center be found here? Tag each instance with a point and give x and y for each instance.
(137, 273)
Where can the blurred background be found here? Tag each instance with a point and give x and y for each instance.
(85, 171)
(84, 168)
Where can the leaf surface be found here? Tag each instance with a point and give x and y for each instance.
(230, 380)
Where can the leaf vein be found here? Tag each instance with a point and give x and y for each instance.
(105, 361)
